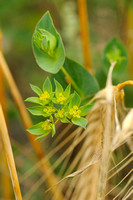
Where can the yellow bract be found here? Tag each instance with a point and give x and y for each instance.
(61, 98)
(45, 96)
(47, 125)
(75, 111)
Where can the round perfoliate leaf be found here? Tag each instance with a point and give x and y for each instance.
(47, 45)
(81, 80)
(115, 51)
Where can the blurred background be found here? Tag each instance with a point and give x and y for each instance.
(17, 22)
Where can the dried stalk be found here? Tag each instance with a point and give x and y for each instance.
(84, 29)
(128, 29)
(6, 183)
(9, 156)
(28, 123)
(107, 134)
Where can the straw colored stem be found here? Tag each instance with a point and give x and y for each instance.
(107, 134)
(5, 177)
(84, 29)
(28, 123)
(6, 184)
(128, 34)
(120, 86)
(9, 156)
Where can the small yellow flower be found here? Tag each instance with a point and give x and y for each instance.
(61, 98)
(60, 113)
(45, 96)
(75, 112)
(49, 109)
(47, 125)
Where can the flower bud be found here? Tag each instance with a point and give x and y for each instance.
(45, 41)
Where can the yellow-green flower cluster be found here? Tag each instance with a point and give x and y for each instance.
(45, 96)
(56, 105)
(49, 109)
(75, 112)
(47, 125)
(61, 99)
(60, 113)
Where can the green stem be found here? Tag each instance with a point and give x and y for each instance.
(72, 81)
(56, 121)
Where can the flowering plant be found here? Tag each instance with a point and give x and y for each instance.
(54, 106)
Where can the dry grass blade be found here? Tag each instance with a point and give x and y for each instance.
(51, 153)
(125, 187)
(109, 123)
(9, 156)
(5, 176)
(94, 160)
(128, 194)
(120, 182)
(122, 167)
(120, 162)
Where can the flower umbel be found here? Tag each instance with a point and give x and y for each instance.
(45, 96)
(75, 112)
(61, 98)
(49, 109)
(60, 113)
(47, 125)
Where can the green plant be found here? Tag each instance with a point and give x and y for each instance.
(60, 104)
(54, 106)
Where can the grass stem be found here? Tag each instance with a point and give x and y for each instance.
(84, 29)
(5, 176)
(9, 156)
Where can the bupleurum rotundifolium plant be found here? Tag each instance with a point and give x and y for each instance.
(54, 106)
(60, 104)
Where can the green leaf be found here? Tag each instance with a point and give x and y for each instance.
(38, 110)
(53, 130)
(115, 51)
(68, 115)
(36, 89)
(34, 100)
(47, 45)
(42, 136)
(64, 120)
(47, 85)
(80, 122)
(85, 109)
(67, 91)
(75, 101)
(59, 88)
(69, 99)
(36, 129)
(81, 80)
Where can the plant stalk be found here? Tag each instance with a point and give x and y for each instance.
(121, 85)
(84, 29)
(9, 156)
(128, 34)
(107, 137)
(5, 177)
